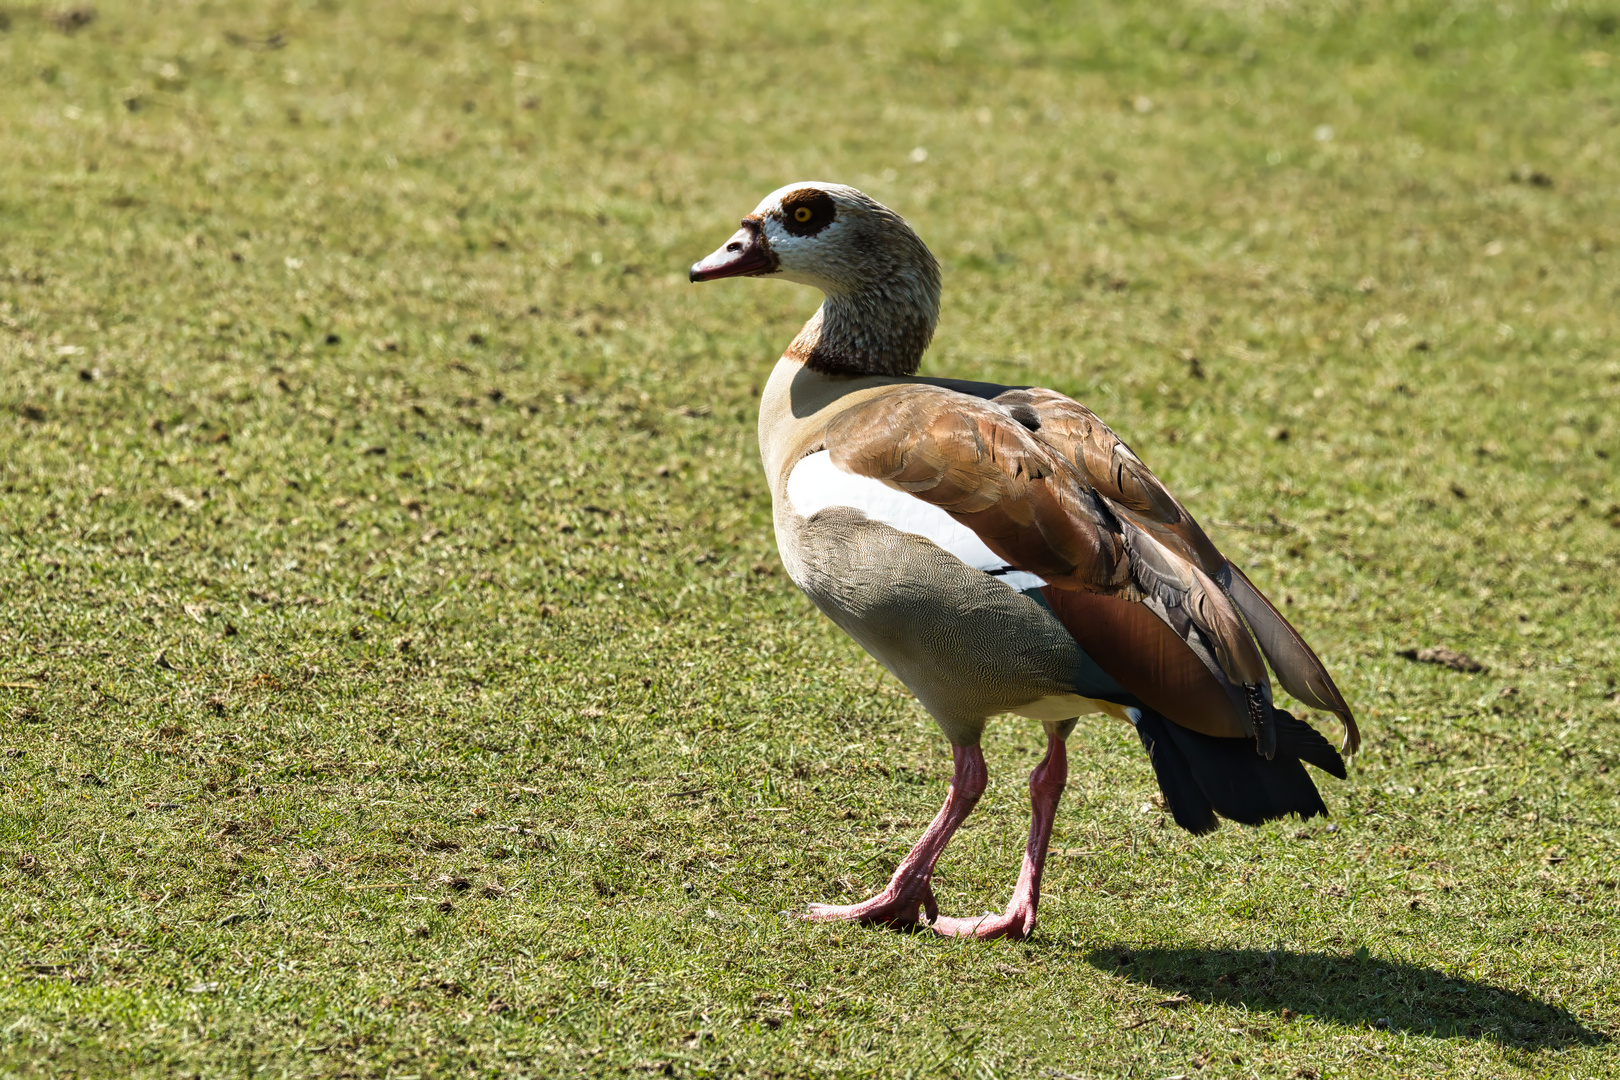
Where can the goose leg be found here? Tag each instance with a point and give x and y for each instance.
(1045, 789)
(909, 893)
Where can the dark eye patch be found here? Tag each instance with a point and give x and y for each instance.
(807, 211)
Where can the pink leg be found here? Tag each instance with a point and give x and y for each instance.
(1045, 789)
(909, 893)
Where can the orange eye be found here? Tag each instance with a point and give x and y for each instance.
(802, 214)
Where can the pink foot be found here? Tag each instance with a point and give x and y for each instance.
(904, 906)
(1016, 925)
(909, 896)
(1018, 921)
(908, 899)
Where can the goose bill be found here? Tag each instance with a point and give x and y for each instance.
(744, 255)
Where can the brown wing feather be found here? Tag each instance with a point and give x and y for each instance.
(1138, 496)
(1298, 668)
(1033, 506)
(970, 459)
(1148, 659)
(1118, 474)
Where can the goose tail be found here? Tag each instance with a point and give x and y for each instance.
(1203, 776)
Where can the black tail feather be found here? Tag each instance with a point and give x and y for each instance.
(1296, 737)
(1186, 799)
(1201, 775)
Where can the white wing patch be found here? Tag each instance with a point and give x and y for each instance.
(816, 483)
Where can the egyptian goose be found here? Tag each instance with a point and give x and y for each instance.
(1000, 550)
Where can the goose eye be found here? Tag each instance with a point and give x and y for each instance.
(807, 211)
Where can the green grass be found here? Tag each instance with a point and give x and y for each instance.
(398, 676)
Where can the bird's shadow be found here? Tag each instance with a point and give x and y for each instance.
(1350, 988)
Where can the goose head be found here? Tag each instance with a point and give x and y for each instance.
(880, 282)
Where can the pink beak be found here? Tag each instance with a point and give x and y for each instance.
(744, 255)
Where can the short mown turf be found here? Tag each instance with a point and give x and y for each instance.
(397, 677)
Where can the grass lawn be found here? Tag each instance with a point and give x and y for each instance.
(397, 677)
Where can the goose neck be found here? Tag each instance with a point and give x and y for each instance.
(873, 331)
